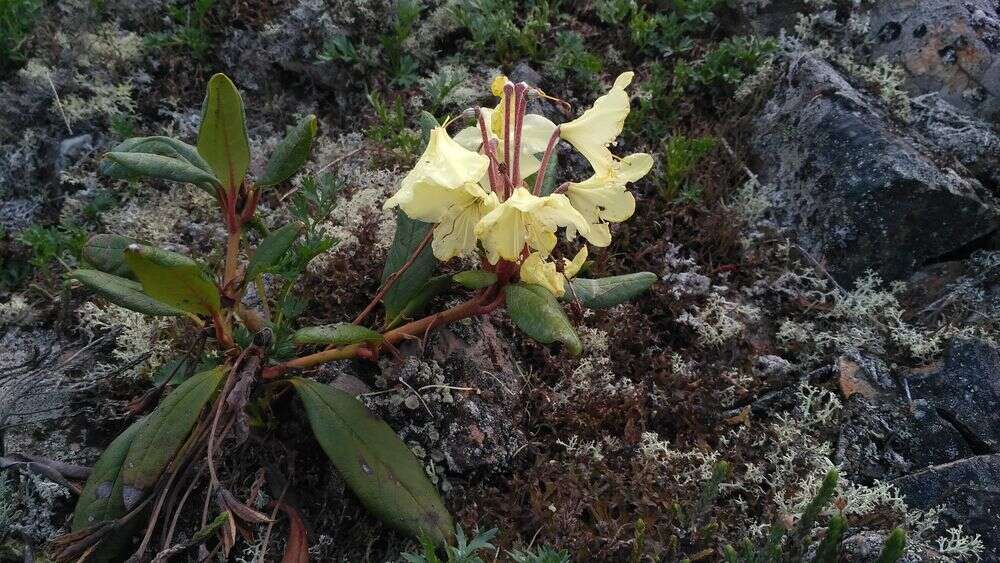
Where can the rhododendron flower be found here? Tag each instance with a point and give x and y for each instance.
(526, 219)
(444, 188)
(603, 198)
(477, 196)
(538, 271)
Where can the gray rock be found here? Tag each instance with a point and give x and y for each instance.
(71, 150)
(482, 434)
(970, 141)
(966, 392)
(968, 490)
(858, 193)
(769, 18)
(466, 413)
(950, 413)
(948, 47)
(17, 215)
(882, 435)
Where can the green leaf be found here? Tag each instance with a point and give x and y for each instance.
(607, 292)
(179, 369)
(549, 181)
(433, 287)
(475, 279)
(222, 138)
(374, 462)
(101, 498)
(829, 548)
(340, 334)
(162, 167)
(427, 123)
(124, 293)
(163, 434)
(270, 250)
(409, 235)
(895, 546)
(537, 313)
(290, 154)
(106, 252)
(173, 279)
(163, 146)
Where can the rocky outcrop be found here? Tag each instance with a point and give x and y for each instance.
(895, 426)
(969, 493)
(935, 434)
(948, 47)
(858, 192)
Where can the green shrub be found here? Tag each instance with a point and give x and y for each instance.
(681, 157)
(17, 20)
(722, 69)
(505, 30)
(189, 29)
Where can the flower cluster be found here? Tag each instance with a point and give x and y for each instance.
(473, 187)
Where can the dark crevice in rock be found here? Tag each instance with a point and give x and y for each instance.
(986, 242)
(975, 444)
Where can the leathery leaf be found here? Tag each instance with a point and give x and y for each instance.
(106, 252)
(607, 292)
(409, 234)
(173, 279)
(340, 334)
(537, 313)
(374, 462)
(270, 250)
(222, 137)
(290, 154)
(163, 434)
(101, 498)
(123, 292)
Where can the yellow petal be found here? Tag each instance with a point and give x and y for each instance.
(439, 180)
(455, 235)
(502, 233)
(535, 270)
(573, 266)
(535, 133)
(447, 163)
(470, 138)
(497, 85)
(600, 125)
(635, 166)
(526, 219)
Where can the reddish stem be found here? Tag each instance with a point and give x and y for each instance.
(394, 277)
(478, 305)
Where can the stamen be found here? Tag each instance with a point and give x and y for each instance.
(508, 92)
(521, 99)
(549, 150)
(489, 149)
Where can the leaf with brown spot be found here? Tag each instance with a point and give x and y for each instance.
(374, 462)
(163, 434)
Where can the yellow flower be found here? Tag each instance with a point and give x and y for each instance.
(526, 219)
(443, 188)
(599, 126)
(535, 134)
(445, 165)
(539, 272)
(603, 198)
